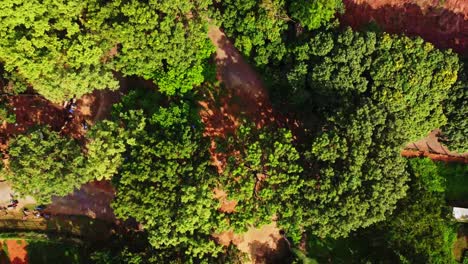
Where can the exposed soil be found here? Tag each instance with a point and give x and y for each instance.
(17, 253)
(92, 199)
(431, 147)
(443, 23)
(225, 205)
(262, 245)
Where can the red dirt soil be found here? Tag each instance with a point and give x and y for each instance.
(242, 94)
(445, 25)
(17, 252)
(430, 147)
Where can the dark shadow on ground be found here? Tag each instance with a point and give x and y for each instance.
(263, 254)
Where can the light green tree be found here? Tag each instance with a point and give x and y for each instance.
(44, 164)
(46, 45)
(163, 41)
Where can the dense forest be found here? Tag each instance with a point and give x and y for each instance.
(335, 184)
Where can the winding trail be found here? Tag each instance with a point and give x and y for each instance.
(243, 95)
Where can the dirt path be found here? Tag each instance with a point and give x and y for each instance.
(243, 94)
(431, 147)
(445, 25)
(240, 79)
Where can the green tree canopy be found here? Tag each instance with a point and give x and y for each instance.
(408, 78)
(263, 176)
(357, 174)
(165, 180)
(315, 13)
(44, 164)
(159, 40)
(455, 132)
(421, 231)
(260, 28)
(46, 44)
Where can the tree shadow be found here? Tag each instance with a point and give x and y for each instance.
(262, 253)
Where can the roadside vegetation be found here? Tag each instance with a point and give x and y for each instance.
(335, 184)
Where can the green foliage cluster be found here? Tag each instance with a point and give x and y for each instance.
(260, 28)
(46, 45)
(264, 177)
(456, 109)
(315, 13)
(420, 230)
(158, 40)
(44, 164)
(65, 48)
(359, 175)
(6, 114)
(165, 180)
(407, 78)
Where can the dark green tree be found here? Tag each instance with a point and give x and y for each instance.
(421, 231)
(260, 28)
(456, 109)
(357, 174)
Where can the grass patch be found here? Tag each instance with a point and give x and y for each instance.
(44, 251)
(5, 249)
(456, 176)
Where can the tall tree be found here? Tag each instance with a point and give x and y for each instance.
(159, 40)
(263, 177)
(165, 180)
(44, 164)
(45, 44)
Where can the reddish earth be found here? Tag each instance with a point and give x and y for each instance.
(431, 147)
(445, 25)
(262, 245)
(17, 253)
